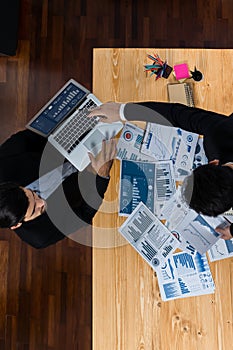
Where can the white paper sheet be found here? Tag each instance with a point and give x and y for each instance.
(195, 231)
(165, 142)
(129, 144)
(221, 250)
(185, 275)
(149, 237)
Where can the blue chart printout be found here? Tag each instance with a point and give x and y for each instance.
(184, 275)
(150, 183)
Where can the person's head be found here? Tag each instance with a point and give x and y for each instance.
(18, 204)
(209, 189)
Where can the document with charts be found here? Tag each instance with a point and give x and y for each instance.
(199, 156)
(130, 142)
(165, 142)
(152, 183)
(184, 275)
(194, 231)
(221, 250)
(148, 236)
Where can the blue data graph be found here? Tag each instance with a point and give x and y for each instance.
(201, 262)
(137, 185)
(229, 245)
(183, 287)
(171, 291)
(204, 223)
(184, 261)
(185, 275)
(145, 182)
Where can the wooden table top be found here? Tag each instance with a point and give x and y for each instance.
(128, 312)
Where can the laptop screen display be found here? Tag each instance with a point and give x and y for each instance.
(58, 108)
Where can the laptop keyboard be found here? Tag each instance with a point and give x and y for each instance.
(69, 136)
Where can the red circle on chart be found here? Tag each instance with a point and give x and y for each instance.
(128, 136)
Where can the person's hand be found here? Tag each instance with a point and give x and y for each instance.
(108, 112)
(102, 163)
(214, 162)
(225, 232)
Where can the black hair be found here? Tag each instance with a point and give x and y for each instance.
(209, 189)
(13, 204)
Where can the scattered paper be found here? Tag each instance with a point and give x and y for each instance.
(221, 250)
(194, 231)
(185, 275)
(150, 183)
(129, 144)
(148, 236)
(164, 142)
(151, 162)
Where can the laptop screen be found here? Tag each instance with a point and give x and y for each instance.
(58, 108)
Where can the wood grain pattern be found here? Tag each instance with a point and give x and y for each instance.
(118, 72)
(50, 291)
(126, 300)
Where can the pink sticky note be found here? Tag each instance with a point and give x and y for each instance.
(181, 71)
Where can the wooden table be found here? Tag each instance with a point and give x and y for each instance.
(128, 313)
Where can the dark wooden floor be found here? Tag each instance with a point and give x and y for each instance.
(45, 296)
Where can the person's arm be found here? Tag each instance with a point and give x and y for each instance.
(188, 118)
(20, 157)
(102, 163)
(211, 125)
(171, 114)
(22, 142)
(40, 232)
(93, 184)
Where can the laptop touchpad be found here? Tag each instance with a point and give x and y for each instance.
(94, 142)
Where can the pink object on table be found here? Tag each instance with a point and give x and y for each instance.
(181, 71)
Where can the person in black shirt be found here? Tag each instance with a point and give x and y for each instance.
(71, 205)
(209, 189)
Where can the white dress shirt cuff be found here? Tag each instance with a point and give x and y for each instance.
(121, 112)
(104, 177)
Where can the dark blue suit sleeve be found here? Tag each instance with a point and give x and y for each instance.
(174, 114)
(22, 142)
(20, 157)
(216, 128)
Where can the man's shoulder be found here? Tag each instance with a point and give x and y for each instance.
(40, 232)
(21, 141)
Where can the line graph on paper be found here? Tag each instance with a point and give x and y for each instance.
(200, 234)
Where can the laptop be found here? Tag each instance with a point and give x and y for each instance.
(63, 120)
